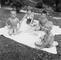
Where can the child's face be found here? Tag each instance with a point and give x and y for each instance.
(43, 19)
(13, 14)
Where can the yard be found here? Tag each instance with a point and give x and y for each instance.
(12, 50)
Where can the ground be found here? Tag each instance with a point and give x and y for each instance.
(12, 50)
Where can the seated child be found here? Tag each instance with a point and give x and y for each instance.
(13, 23)
(46, 26)
(44, 23)
(49, 38)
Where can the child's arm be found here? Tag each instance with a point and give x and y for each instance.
(8, 23)
(18, 23)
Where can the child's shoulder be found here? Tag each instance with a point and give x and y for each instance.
(50, 22)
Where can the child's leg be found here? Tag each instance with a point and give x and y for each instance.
(15, 31)
(48, 40)
(10, 32)
(16, 28)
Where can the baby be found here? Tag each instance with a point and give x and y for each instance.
(13, 23)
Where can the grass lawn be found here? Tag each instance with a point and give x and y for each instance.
(11, 50)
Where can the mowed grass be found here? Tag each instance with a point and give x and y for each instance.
(12, 50)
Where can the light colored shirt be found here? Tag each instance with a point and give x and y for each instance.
(12, 22)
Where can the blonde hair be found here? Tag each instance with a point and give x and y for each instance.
(13, 12)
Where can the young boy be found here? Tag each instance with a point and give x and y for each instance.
(13, 23)
(46, 26)
(44, 23)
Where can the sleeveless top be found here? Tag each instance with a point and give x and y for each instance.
(13, 22)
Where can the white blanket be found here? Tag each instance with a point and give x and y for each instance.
(28, 37)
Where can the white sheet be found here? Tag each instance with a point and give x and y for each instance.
(27, 37)
(56, 30)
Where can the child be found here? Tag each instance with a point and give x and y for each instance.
(30, 17)
(47, 27)
(13, 23)
(49, 38)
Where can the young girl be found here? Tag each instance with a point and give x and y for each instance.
(13, 23)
